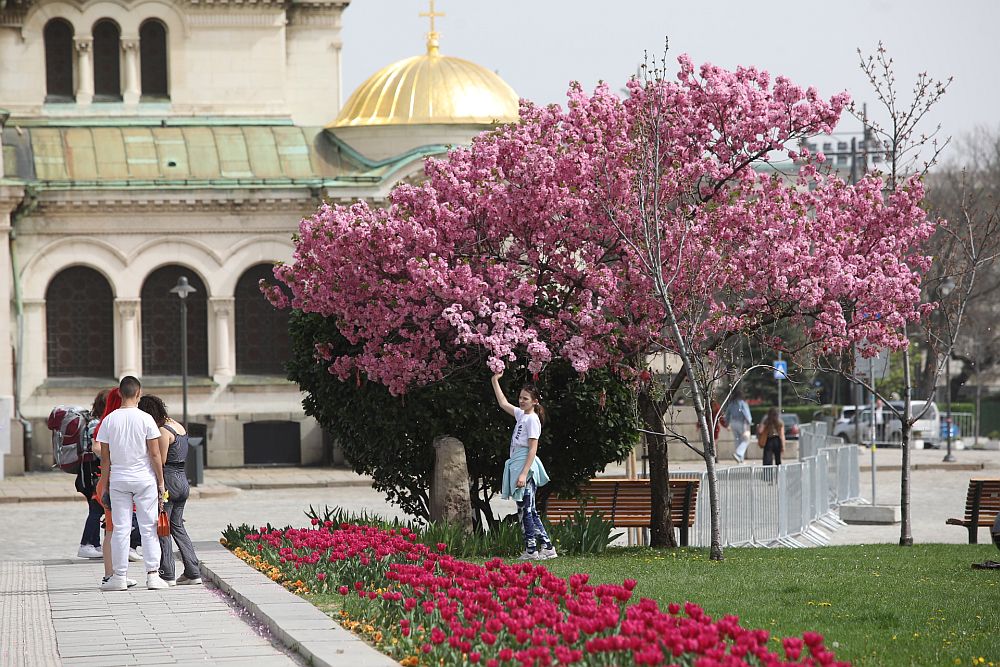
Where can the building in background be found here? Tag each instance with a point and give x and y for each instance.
(142, 142)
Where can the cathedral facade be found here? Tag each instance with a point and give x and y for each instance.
(143, 142)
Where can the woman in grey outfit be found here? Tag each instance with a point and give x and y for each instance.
(173, 453)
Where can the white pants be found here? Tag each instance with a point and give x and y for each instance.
(742, 441)
(124, 493)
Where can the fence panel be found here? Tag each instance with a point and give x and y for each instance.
(780, 505)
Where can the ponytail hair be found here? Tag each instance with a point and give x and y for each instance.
(537, 396)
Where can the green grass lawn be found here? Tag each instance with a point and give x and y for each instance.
(876, 605)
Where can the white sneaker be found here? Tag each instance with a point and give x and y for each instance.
(184, 580)
(154, 583)
(89, 551)
(130, 582)
(133, 556)
(170, 582)
(115, 584)
(548, 554)
(530, 555)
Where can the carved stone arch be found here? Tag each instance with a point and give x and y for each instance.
(101, 256)
(204, 261)
(39, 15)
(249, 253)
(175, 22)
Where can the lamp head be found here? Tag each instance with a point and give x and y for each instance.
(183, 288)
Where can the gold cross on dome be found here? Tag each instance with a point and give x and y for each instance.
(432, 14)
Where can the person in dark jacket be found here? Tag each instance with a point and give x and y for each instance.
(86, 483)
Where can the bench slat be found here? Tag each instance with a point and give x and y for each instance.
(626, 503)
(982, 504)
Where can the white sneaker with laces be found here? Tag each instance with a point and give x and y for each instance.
(114, 584)
(89, 551)
(133, 556)
(548, 554)
(530, 555)
(154, 583)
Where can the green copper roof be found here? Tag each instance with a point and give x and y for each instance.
(69, 155)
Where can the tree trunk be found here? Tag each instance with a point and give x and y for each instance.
(661, 526)
(905, 534)
(713, 499)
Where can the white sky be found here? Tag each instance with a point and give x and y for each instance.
(539, 46)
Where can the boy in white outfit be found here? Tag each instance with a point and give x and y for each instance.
(133, 454)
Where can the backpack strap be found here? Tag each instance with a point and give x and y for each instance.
(167, 426)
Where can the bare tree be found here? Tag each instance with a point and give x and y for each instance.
(969, 245)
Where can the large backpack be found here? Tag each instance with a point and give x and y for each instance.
(71, 442)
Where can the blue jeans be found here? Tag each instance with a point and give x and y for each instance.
(92, 529)
(531, 523)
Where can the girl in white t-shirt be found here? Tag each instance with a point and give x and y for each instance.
(523, 471)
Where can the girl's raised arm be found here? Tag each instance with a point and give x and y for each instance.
(501, 399)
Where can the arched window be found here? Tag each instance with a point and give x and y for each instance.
(107, 62)
(153, 60)
(262, 343)
(79, 324)
(161, 324)
(58, 36)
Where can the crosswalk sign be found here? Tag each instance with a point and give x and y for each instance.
(780, 369)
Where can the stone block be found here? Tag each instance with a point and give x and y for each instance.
(870, 514)
(449, 496)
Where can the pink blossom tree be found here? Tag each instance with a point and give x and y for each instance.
(613, 228)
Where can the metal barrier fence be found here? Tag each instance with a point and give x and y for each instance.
(814, 437)
(786, 505)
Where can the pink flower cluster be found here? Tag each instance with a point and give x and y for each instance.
(530, 242)
(451, 612)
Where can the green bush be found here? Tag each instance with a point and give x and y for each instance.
(583, 534)
(591, 422)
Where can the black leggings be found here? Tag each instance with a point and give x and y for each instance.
(772, 451)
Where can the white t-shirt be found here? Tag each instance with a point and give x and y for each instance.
(528, 426)
(126, 431)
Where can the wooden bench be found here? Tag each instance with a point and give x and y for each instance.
(626, 504)
(982, 504)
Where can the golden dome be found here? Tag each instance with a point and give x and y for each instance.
(430, 89)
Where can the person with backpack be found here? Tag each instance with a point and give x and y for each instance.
(86, 483)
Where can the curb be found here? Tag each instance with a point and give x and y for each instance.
(263, 486)
(212, 491)
(895, 467)
(292, 620)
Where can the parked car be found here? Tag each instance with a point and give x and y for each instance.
(791, 426)
(928, 428)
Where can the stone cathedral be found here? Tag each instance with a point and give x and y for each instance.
(143, 141)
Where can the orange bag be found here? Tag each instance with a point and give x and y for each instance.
(163, 524)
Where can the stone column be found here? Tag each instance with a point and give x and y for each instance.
(128, 327)
(9, 199)
(225, 359)
(84, 70)
(130, 51)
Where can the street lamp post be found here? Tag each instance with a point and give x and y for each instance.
(183, 289)
(946, 288)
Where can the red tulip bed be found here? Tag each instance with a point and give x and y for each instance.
(424, 607)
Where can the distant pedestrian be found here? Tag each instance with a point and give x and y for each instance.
(173, 451)
(86, 483)
(738, 415)
(771, 437)
(523, 471)
(135, 480)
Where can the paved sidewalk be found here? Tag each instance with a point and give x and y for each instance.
(52, 613)
(54, 486)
